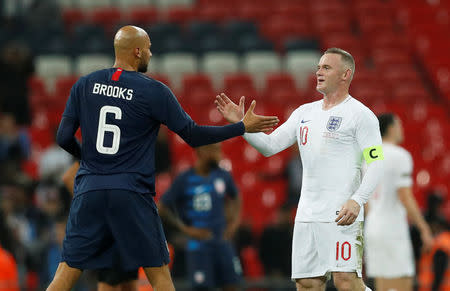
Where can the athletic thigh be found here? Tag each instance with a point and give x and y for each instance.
(88, 243)
(137, 230)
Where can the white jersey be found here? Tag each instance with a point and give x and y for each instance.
(331, 144)
(387, 216)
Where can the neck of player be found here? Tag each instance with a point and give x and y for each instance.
(332, 99)
(202, 168)
(127, 66)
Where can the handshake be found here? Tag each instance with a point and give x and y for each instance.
(234, 113)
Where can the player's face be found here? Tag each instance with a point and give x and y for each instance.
(398, 130)
(210, 154)
(330, 71)
(145, 58)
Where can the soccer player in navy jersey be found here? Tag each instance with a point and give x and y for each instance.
(113, 220)
(207, 206)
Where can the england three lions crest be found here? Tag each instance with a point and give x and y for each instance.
(334, 123)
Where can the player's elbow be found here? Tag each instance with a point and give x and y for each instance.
(62, 138)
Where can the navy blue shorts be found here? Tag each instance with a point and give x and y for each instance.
(117, 229)
(213, 264)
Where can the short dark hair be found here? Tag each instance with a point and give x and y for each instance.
(346, 57)
(385, 120)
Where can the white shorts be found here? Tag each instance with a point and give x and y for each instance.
(320, 248)
(389, 258)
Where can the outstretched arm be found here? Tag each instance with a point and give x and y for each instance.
(268, 145)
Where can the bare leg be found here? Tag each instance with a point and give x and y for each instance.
(65, 278)
(160, 278)
(397, 284)
(311, 284)
(129, 286)
(345, 281)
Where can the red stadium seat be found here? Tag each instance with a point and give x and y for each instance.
(63, 85)
(71, 17)
(196, 82)
(385, 59)
(242, 80)
(410, 93)
(375, 25)
(143, 16)
(401, 75)
(332, 26)
(215, 13)
(279, 80)
(280, 28)
(107, 18)
(37, 86)
(180, 15)
(292, 9)
(252, 11)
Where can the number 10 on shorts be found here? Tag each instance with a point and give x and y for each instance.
(343, 251)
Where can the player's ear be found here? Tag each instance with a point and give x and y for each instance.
(347, 74)
(137, 52)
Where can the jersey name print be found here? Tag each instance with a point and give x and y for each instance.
(112, 91)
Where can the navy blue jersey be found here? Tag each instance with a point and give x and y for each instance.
(199, 200)
(120, 113)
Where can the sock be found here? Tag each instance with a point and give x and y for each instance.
(368, 289)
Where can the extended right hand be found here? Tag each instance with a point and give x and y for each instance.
(197, 233)
(258, 123)
(234, 113)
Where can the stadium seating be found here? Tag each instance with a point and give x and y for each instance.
(260, 64)
(51, 66)
(85, 64)
(127, 4)
(88, 4)
(300, 64)
(166, 4)
(176, 65)
(218, 64)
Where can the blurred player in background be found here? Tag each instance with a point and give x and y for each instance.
(208, 207)
(389, 252)
(113, 220)
(335, 136)
(108, 279)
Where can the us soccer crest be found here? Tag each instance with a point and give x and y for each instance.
(334, 123)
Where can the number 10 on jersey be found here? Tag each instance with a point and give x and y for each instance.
(303, 135)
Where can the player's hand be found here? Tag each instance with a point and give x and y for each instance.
(258, 123)
(348, 213)
(427, 239)
(231, 112)
(197, 233)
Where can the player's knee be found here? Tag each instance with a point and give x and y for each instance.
(345, 281)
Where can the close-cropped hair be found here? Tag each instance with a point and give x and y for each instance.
(385, 120)
(346, 57)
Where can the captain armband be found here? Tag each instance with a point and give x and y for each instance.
(373, 153)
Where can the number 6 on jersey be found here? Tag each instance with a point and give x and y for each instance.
(105, 127)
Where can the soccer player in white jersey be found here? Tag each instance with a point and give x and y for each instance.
(389, 254)
(336, 135)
